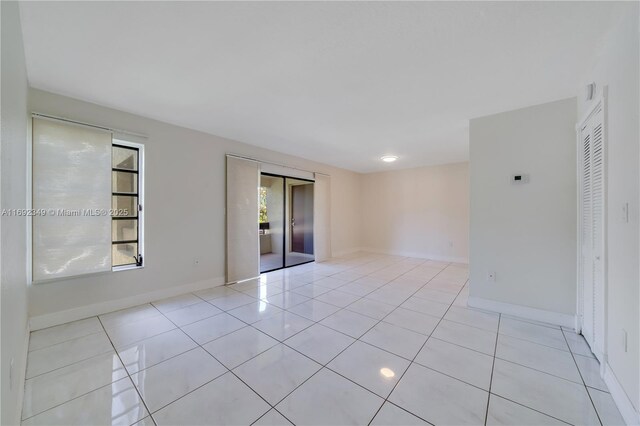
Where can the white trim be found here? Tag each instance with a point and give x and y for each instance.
(29, 202)
(276, 169)
(20, 380)
(419, 255)
(141, 213)
(61, 317)
(526, 312)
(599, 103)
(257, 160)
(345, 252)
(81, 123)
(620, 397)
(126, 267)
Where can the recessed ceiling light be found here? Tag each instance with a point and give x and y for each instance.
(389, 158)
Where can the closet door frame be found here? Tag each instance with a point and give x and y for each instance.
(598, 346)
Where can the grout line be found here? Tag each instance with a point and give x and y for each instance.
(584, 383)
(421, 347)
(541, 371)
(279, 342)
(532, 409)
(322, 366)
(144, 403)
(536, 343)
(217, 377)
(91, 357)
(232, 372)
(73, 399)
(493, 365)
(401, 408)
(68, 365)
(63, 341)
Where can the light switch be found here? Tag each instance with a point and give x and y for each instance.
(625, 213)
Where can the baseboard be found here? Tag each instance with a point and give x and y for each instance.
(525, 312)
(56, 318)
(346, 252)
(620, 397)
(419, 255)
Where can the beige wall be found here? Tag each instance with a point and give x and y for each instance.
(13, 276)
(184, 210)
(617, 68)
(417, 212)
(420, 212)
(525, 233)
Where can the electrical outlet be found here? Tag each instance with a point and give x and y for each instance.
(491, 276)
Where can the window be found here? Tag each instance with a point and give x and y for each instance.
(87, 196)
(126, 204)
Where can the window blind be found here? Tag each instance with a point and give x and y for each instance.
(72, 192)
(243, 251)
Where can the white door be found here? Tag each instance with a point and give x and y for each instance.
(592, 231)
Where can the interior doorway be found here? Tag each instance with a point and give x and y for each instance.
(285, 221)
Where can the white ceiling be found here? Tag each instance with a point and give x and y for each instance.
(340, 83)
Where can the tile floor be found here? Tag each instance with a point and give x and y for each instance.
(363, 339)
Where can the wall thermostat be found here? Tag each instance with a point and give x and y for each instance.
(519, 178)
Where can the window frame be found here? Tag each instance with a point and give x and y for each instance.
(140, 216)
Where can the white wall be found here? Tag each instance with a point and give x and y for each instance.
(525, 233)
(616, 67)
(13, 277)
(184, 211)
(420, 212)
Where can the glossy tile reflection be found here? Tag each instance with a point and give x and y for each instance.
(361, 339)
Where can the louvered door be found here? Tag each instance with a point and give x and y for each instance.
(592, 230)
(587, 237)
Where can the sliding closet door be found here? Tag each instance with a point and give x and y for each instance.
(322, 217)
(243, 251)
